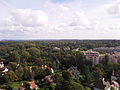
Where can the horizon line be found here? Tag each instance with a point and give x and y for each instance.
(50, 39)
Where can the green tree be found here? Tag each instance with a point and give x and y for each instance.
(86, 88)
(11, 76)
(12, 65)
(19, 72)
(70, 85)
(88, 77)
(98, 72)
(34, 52)
(112, 88)
(66, 75)
(14, 57)
(106, 62)
(27, 75)
(24, 55)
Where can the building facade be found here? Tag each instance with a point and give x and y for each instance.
(93, 56)
(114, 57)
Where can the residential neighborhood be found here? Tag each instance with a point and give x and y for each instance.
(57, 67)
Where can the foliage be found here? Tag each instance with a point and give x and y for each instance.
(19, 56)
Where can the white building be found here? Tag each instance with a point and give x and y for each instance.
(56, 48)
(93, 56)
(77, 49)
(106, 85)
(1, 64)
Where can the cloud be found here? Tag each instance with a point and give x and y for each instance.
(114, 8)
(79, 18)
(28, 17)
(58, 20)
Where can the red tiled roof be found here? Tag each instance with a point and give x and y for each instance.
(32, 84)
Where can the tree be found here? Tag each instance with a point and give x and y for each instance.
(19, 72)
(24, 55)
(27, 75)
(11, 76)
(98, 72)
(58, 77)
(34, 52)
(86, 88)
(88, 77)
(112, 88)
(66, 75)
(39, 61)
(69, 85)
(12, 65)
(106, 62)
(14, 57)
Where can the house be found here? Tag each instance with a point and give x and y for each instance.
(66, 49)
(21, 88)
(106, 85)
(3, 71)
(114, 57)
(99, 85)
(108, 49)
(49, 79)
(1, 64)
(48, 68)
(115, 75)
(115, 85)
(77, 49)
(74, 71)
(33, 86)
(56, 48)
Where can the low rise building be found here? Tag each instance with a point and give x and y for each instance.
(49, 79)
(106, 85)
(1, 64)
(77, 49)
(116, 75)
(66, 49)
(56, 48)
(74, 71)
(33, 86)
(93, 56)
(114, 57)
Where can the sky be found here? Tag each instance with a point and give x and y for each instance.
(59, 19)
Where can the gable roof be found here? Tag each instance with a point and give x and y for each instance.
(99, 84)
(32, 84)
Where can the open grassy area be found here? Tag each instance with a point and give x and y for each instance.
(15, 84)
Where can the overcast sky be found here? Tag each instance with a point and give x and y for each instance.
(59, 19)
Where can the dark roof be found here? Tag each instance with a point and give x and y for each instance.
(99, 84)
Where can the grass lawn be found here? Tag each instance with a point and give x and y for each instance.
(15, 84)
(42, 89)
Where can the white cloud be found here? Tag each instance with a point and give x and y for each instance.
(28, 17)
(79, 18)
(114, 8)
(59, 20)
